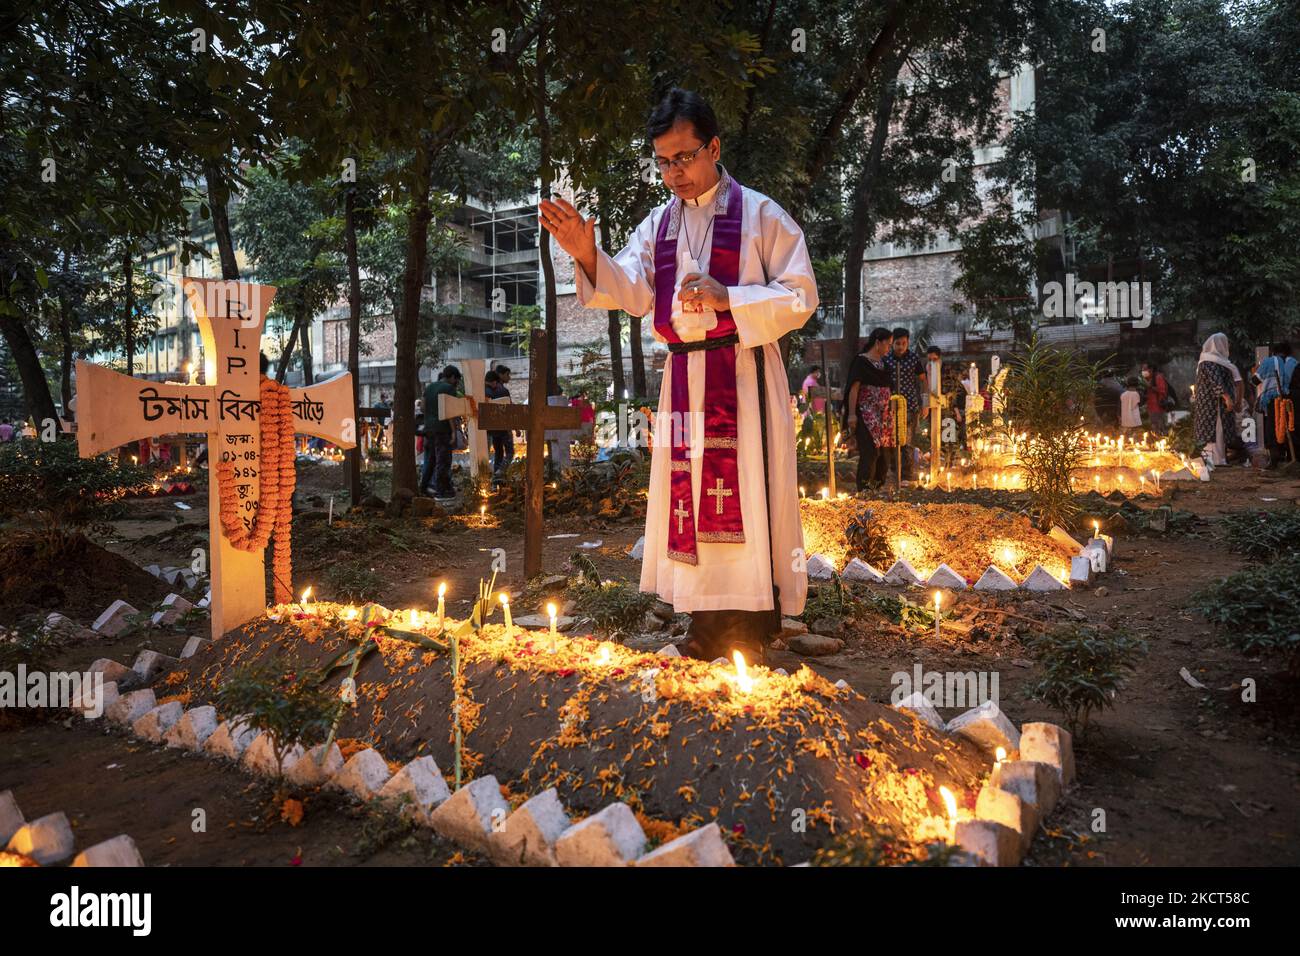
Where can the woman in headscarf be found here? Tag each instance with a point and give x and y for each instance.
(1216, 401)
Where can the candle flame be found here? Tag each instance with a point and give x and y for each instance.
(950, 803)
(604, 655)
(1001, 754)
(306, 594)
(442, 589)
(551, 610)
(743, 680)
(505, 599)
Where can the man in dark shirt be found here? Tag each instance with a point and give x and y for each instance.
(907, 378)
(437, 436)
(503, 444)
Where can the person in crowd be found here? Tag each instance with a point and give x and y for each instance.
(503, 445)
(1159, 397)
(438, 436)
(1275, 377)
(6, 431)
(866, 410)
(1218, 392)
(503, 374)
(814, 405)
(1130, 405)
(907, 378)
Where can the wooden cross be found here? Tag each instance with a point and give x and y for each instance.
(114, 409)
(830, 395)
(720, 494)
(535, 419)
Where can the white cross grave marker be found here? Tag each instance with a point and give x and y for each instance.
(114, 409)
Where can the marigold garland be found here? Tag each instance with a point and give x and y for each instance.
(275, 497)
(1283, 418)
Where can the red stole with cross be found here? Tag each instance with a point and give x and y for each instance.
(719, 512)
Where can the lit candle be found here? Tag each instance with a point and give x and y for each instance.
(603, 658)
(949, 481)
(442, 592)
(938, 596)
(482, 513)
(551, 611)
(505, 607)
(743, 681)
(826, 493)
(950, 804)
(303, 600)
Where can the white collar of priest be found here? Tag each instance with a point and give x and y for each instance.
(704, 198)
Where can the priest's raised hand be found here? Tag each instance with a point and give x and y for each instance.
(575, 234)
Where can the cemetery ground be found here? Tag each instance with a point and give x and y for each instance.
(1184, 775)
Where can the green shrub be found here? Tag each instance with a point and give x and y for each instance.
(1256, 609)
(1264, 536)
(1045, 396)
(1084, 668)
(613, 606)
(878, 846)
(63, 490)
(274, 700)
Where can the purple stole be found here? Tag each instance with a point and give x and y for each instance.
(720, 517)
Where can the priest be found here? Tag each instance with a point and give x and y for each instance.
(725, 273)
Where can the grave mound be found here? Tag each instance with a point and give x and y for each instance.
(781, 765)
(966, 537)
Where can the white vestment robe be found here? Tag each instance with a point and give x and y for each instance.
(775, 293)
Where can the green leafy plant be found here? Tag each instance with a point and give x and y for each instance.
(1264, 536)
(1045, 396)
(1256, 609)
(271, 698)
(613, 606)
(879, 846)
(63, 491)
(1084, 668)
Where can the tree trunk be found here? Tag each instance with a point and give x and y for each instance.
(128, 316)
(615, 332)
(548, 265)
(308, 373)
(639, 387)
(36, 390)
(354, 333)
(408, 324)
(65, 340)
(218, 200)
(862, 225)
(283, 368)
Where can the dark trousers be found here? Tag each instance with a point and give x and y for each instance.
(715, 634)
(503, 452)
(437, 465)
(873, 462)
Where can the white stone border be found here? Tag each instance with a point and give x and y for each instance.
(1021, 792)
(1090, 559)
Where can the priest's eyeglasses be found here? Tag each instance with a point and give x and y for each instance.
(681, 162)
